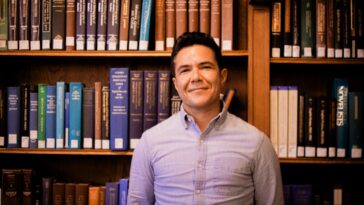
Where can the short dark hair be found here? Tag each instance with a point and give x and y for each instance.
(195, 38)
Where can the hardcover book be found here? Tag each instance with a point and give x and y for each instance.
(51, 116)
(274, 117)
(301, 126)
(69, 193)
(33, 117)
(171, 23)
(150, 98)
(146, 16)
(136, 107)
(81, 194)
(101, 25)
(47, 190)
(58, 195)
(292, 121)
(160, 25)
(27, 186)
(11, 187)
(80, 24)
(355, 118)
(13, 25)
(181, 17)
(338, 18)
(94, 195)
(346, 28)
(119, 108)
(308, 27)
(14, 98)
(322, 125)
(112, 193)
(42, 88)
(3, 118)
(24, 116)
(60, 114)
(215, 25)
(193, 17)
(70, 24)
(46, 24)
(204, 12)
(4, 24)
(88, 117)
(283, 121)
(134, 26)
(123, 191)
(113, 15)
(310, 127)
(296, 28)
(276, 30)
(105, 120)
(66, 118)
(24, 24)
(58, 24)
(227, 22)
(287, 32)
(124, 25)
(35, 27)
(163, 93)
(332, 129)
(321, 28)
(75, 115)
(330, 29)
(98, 115)
(91, 25)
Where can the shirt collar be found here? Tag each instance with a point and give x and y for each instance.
(187, 119)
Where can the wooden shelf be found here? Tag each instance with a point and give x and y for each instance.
(119, 54)
(320, 161)
(90, 152)
(325, 61)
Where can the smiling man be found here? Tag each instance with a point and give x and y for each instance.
(203, 154)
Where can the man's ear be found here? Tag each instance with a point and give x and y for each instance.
(223, 76)
(174, 83)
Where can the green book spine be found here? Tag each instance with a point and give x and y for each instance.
(3, 24)
(307, 27)
(41, 114)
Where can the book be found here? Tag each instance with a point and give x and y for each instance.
(112, 193)
(13, 25)
(360, 29)
(50, 132)
(301, 194)
(4, 24)
(215, 25)
(160, 25)
(124, 25)
(81, 193)
(91, 15)
(101, 25)
(24, 116)
(308, 27)
(123, 191)
(310, 127)
(27, 186)
(321, 10)
(301, 126)
(11, 186)
(98, 115)
(150, 99)
(332, 129)
(58, 24)
(3, 118)
(33, 117)
(171, 23)
(13, 114)
(338, 19)
(276, 30)
(163, 95)
(136, 107)
(46, 24)
(204, 12)
(287, 32)
(102, 195)
(105, 120)
(24, 21)
(145, 18)
(42, 115)
(113, 15)
(274, 117)
(60, 114)
(94, 195)
(176, 101)
(58, 195)
(80, 24)
(355, 122)
(283, 121)
(66, 118)
(346, 28)
(322, 125)
(47, 190)
(88, 117)
(75, 115)
(330, 29)
(119, 108)
(70, 24)
(69, 193)
(134, 25)
(340, 89)
(227, 22)
(193, 16)
(296, 28)
(292, 121)
(181, 17)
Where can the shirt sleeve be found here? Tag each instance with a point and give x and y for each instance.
(141, 190)
(267, 175)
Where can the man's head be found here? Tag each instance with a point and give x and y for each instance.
(198, 78)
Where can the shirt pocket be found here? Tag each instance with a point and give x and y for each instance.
(232, 176)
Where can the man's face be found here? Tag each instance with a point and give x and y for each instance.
(198, 79)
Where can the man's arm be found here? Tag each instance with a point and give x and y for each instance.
(267, 175)
(141, 182)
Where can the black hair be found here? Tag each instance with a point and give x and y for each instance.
(195, 38)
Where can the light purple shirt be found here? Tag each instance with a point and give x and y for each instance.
(232, 162)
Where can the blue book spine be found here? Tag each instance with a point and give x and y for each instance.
(75, 113)
(51, 116)
(13, 117)
(146, 14)
(119, 106)
(33, 120)
(301, 194)
(67, 118)
(112, 193)
(150, 99)
(60, 107)
(340, 94)
(136, 107)
(123, 191)
(356, 122)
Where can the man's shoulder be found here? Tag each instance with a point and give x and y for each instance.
(166, 126)
(241, 125)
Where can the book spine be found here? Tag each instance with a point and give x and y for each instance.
(33, 119)
(14, 98)
(163, 101)
(321, 28)
(332, 129)
(160, 25)
(338, 29)
(91, 25)
(98, 115)
(322, 123)
(46, 24)
(47, 190)
(94, 195)
(123, 191)
(105, 120)
(13, 25)
(283, 121)
(296, 29)
(101, 24)
(204, 16)
(51, 116)
(80, 24)
(216, 21)
(69, 193)
(353, 28)
(3, 117)
(146, 16)
(27, 186)
(58, 24)
(24, 24)
(346, 28)
(355, 119)
(134, 27)
(175, 101)
(171, 23)
(58, 195)
(227, 22)
(112, 193)
(35, 25)
(292, 121)
(113, 24)
(193, 17)
(136, 107)
(11, 189)
(4, 25)
(360, 28)
(88, 117)
(276, 32)
(330, 29)
(181, 17)
(41, 115)
(60, 114)
(274, 117)
(75, 114)
(66, 118)
(124, 25)
(81, 193)
(307, 28)
(301, 127)
(310, 127)
(119, 107)
(340, 93)
(287, 32)
(70, 24)
(150, 99)
(24, 119)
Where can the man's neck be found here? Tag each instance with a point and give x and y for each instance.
(203, 117)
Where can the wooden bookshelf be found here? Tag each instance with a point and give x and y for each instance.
(317, 61)
(321, 161)
(87, 152)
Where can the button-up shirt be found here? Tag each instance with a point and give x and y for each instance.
(231, 162)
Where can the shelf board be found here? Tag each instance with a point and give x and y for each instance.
(320, 161)
(325, 61)
(121, 54)
(90, 152)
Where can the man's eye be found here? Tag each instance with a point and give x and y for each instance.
(183, 70)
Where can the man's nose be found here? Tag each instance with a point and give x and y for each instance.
(196, 75)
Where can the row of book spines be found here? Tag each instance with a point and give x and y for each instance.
(153, 86)
(314, 126)
(20, 187)
(331, 29)
(116, 28)
(303, 194)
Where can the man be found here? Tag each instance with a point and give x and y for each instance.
(203, 154)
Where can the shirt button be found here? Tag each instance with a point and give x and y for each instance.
(200, 165)
(201, 141)
(198, 191)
